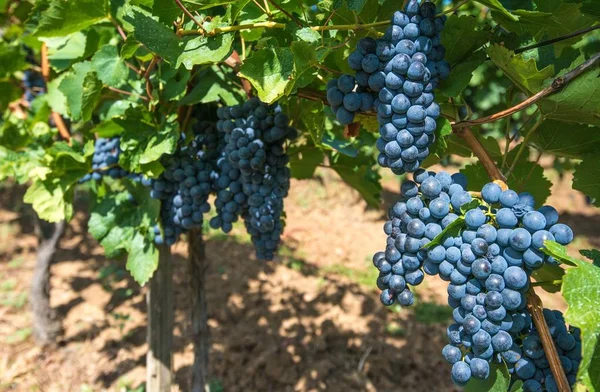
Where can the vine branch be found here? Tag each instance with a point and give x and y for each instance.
(557, 84)
(147, 76)
(190, 15)
(557, 39)
(235, 63)
(276, 25)
(481, 153)
(292, 17)
(535, 307)
(58, 120)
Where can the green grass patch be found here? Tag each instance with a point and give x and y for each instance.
(20, 335)
(432, 313)
(365, 277)
(14, 300)
(16, 262)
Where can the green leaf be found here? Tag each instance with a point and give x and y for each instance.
(270, 71)
(477, 176)
(63, 51)
(529, 176)
(309, 35)
(305, 60)
(12, 59)
(460, 38)
(498, 381)
(549, 273)
(461, 74)
(144, 142)
(89, 95)
(212, 86)
(450, 231)
(304, 161)
(110, 68)
(56, 99)
(473, 204)
(559, 252)
(66, 17)
(581, 290)
(359, 177)
(121, 225)
(586, 178)
(143, 259)
(523, 73)
(578, 101)
(52, 199)
(188, 51)
(70, 87)
(580, 139)
(551, 19)
(592, 254)
(497, 6)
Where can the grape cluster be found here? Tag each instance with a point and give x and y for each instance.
(527, 361)
(487, 259)
(33, 84)
(185, 185)
(105, 160)
(396, 76)
(253, 175)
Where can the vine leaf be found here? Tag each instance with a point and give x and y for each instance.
(270, 71)
(497, 6)
(460, 38)
(581, 290)
(498, 381)
(581, 139)
(578, 101)
(586, 178)
(450, 231)
(461, 74)
(304, 161)
(12, 59)
(110, 68)
(66, 17)
(592, 254)
(121, 225)
(523, 73)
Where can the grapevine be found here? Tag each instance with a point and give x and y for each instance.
(160, 123)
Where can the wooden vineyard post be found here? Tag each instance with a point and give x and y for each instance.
(199, 316)
(160, 325)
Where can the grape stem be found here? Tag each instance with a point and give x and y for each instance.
(557, 84)
(557, 282)
(147, 76)
(557, 39)
(276, 25)
(292, 17)
(535, 307)
(481, 153)
(58, 120)
(189, 14)
(235, 63)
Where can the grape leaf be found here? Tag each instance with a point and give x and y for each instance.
(461, 74)
(460, 38)
(63, 51)
(592, 254)
(176, 50)
(581, 290)
(90, 93)
(212, 86)
(497, 6)
(551, 137)
(70, 87)
(119, 224)
(270, 71)
(449, 231)
(12, 59)
(142, 260)
(523, 73)
(304, 161)
(66, 17)
(359, 177)
(578, 101)
(109, 67)
(586, 178)
(549, 273)
(52, 199)
(498, 381)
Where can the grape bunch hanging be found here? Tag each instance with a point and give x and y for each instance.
(241, 159)
(396, 76)
(486, 246)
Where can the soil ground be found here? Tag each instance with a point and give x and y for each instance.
(310, 320)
